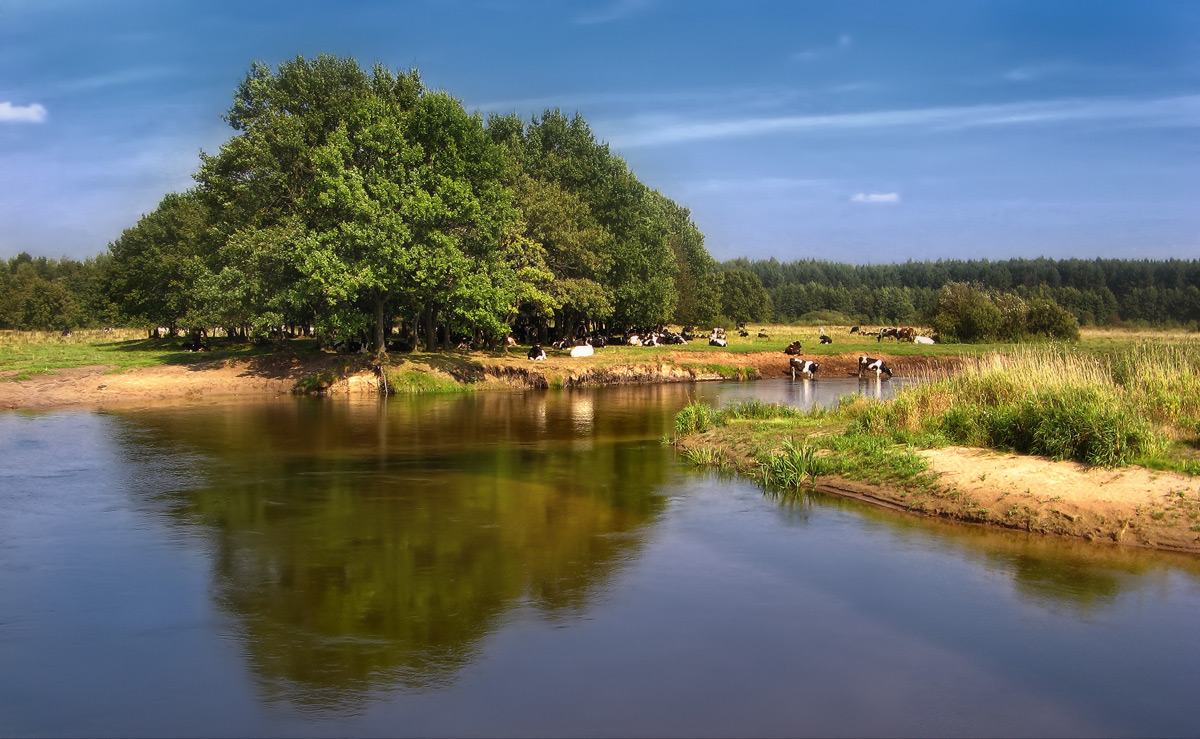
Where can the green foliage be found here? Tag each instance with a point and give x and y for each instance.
(743, 297)
(791, 466)
(695, 418)
(964, 313)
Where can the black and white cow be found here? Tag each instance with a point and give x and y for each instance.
(537, 353)
(870, 364)
(826, 339)
(806, 367)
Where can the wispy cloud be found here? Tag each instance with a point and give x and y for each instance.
(876, 197)
(10, 113)
(117, 79)
(756, 185)
(614, 11)
(844, 42)
(1171, 111)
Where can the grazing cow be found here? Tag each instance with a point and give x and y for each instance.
(854, 329)
(806, 367)
(583, 350)
(536, 352)
(792, 349)
(905, 334)
(825, 339)
(714, 341)
(886, 332)
(870, 364)
(922, 340)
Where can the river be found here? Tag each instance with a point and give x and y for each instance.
(537, 563)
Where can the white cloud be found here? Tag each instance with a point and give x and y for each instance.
(1172, 111)
(10, 113)
(619, 10)
(876, 197)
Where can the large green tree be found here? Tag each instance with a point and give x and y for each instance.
(154, 266)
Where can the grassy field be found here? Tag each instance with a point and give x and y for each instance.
(24, 353)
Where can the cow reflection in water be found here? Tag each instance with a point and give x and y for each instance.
(385, 546)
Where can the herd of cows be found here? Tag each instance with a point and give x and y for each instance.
(802, 368)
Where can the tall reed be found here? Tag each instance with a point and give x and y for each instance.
(1052, 401)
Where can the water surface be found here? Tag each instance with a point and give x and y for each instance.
(536, 563)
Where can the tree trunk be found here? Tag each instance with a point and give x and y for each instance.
(430, 329)
(380, 340)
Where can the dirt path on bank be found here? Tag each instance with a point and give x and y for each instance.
(98, 384)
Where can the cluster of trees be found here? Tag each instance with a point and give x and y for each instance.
(1095, 292)
(40, 294)
(359, 201)
(966, 313)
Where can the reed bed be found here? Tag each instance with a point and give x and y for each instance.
(1105, 410)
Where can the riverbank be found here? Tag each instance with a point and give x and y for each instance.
(1131, 506)
(331, 374)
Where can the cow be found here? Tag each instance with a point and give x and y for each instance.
(583, 350)
(922, 340)
(870, 364)
(886, 332)
(537, 353)
(714, 341)
(826, 339)
(805, 367)
(905, 334)
(854, 329)
(792, 349)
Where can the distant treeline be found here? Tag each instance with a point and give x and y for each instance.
(1095, 291)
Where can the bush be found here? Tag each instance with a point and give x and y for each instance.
(1049, 319)
(964, 313)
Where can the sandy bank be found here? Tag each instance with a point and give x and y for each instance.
(278, 374)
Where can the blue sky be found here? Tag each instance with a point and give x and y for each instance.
(864, 132)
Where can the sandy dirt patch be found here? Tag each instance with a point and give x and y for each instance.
(1132, 505)
(97, 384)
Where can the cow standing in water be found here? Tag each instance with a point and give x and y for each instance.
(806, 367)
(870, 364)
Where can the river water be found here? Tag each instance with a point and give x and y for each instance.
(537, 564)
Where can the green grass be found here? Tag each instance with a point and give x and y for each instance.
(403, 381)
(28, 353)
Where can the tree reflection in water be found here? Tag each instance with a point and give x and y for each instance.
(365, 546)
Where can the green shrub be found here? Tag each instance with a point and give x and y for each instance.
(694, 418)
